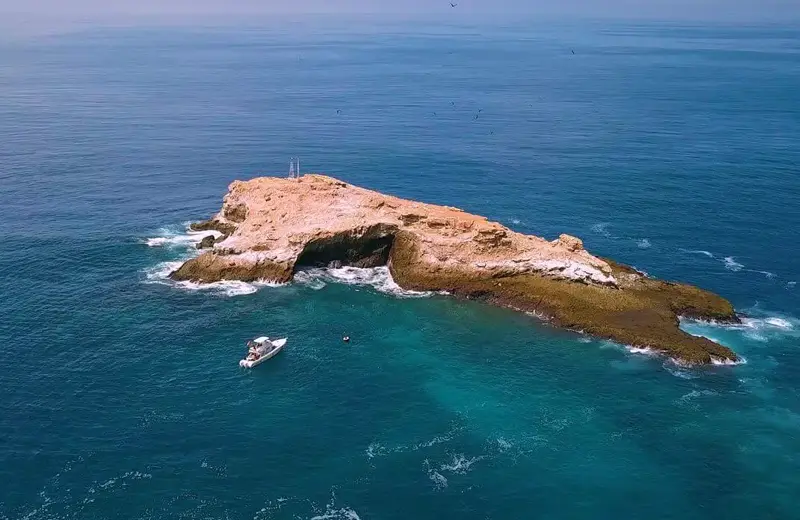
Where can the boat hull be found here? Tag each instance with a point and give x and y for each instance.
(277, 345)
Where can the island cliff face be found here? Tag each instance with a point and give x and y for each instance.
(273, 226)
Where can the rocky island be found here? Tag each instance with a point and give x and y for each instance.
(272, 226)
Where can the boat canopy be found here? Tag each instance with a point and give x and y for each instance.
(262, 339)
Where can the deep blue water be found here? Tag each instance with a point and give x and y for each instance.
(675, 148)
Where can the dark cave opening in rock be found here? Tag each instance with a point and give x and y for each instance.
(370, 248)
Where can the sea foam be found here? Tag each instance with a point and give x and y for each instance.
(731, 264)
(728, 362)
(186, 240)
(461, 464)
(172, 237)
(761, 328)
(379, 278)
(601, 228)
(159, 274)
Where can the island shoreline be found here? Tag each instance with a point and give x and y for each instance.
(273, 226)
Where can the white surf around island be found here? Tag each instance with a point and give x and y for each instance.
(379, 278)
(757, 329)
(179, 237)
(756, 325)
(159, 274)
(184, 241)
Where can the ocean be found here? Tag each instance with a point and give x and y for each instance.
(671, 147)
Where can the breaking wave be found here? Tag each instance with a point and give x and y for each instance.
(172, 237)
(379, 278)
(727, 362)
(760, 327)
(186, 240)
(641, 350)
(159, 274)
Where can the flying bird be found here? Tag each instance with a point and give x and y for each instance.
(452, 4)
(573, 51)
(338, 111)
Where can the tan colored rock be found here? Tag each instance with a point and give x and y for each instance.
(569, 242)
(272, 226)
(314, 208)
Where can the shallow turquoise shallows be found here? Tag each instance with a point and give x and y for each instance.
(674, 148)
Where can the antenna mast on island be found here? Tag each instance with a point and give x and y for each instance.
(294, 168)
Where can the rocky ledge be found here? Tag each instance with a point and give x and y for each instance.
(273, 226)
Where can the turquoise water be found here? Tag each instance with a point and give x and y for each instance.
(673, 148)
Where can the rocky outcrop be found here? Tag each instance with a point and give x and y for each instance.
(272, 226)
(569, 242)
(226, 228)
(207, 242)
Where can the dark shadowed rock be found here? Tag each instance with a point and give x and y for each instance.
(207, 242)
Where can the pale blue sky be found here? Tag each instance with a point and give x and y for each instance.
(14, 12)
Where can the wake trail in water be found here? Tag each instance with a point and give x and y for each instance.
(730, 263)
(698, 252)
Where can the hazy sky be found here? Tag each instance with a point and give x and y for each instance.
(121, 10)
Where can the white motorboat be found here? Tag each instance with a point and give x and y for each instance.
(261, 349)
